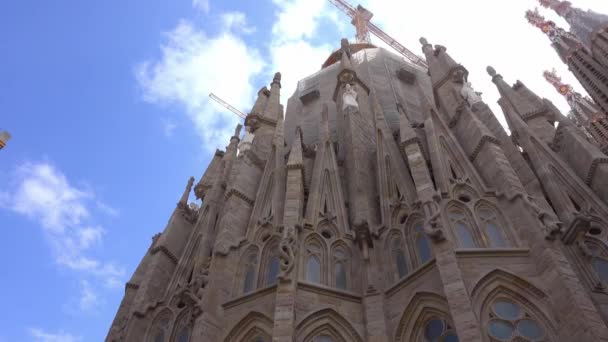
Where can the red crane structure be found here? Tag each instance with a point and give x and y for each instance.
(361, 19)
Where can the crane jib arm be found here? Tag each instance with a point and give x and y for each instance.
(351, 11)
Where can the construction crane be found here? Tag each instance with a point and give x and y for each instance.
(228, 106)
(4, 138)
(361, 19)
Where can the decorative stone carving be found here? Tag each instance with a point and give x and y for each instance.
(349, 98)
(183, 202)
(288, 249)
(550, 223)
(345, 47)
(432, 226)
(247, 141)
(469, 94)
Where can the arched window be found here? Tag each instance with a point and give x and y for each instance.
(313, 263)
(249, 281)
(183, 335)
(398, 255)
(492, 227)
(436, 330)
(510, 322)
(272, 271)
(462, 228)
(313, 269)
(599, 261)
(160, 328)
(323, 338)
(423, 246)
(340, 263)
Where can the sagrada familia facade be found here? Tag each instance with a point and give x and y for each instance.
(387, 203)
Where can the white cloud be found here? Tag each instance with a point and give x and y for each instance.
(292, 49)
(297, 60)
(107, 209)
(237, 22)
(193, 65)
(43, 193)
(169, 127)
(40, 335)
(201, 5)
(89, 298)
(478, 33)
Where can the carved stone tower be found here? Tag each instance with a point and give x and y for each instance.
(388, 204)
(584, 49)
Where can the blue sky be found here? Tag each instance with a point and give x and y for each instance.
(107, 104)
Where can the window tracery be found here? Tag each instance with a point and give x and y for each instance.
(249, 279)
(272, 271)
(439, 330)
(160, 328)
(492, 227)
(340, 269)
(398, 256)
(509, 321)
(419, 240)
(313, 263)
(599, 261)
(462, 228)
(323, 338)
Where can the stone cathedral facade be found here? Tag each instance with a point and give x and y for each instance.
(385, 203)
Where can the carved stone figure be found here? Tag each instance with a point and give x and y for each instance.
(287, 251)
(469, 94)
(247, 140)
(349, 98)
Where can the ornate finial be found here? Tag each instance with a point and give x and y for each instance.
(547, 26)
(183, 202)
(277, 79)
(491, 71)
(423, 41)
(237, 130)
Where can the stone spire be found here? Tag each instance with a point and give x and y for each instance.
(278, 196)
(583, 24)
(273, 107)
(585, 111)
(530, 112)
(183, 202)
(585, 66)
(441, 64)
(563, 42)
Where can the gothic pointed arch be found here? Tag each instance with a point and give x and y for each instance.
(494, 227)
(251, 326)
(340, 267)
(571, 193)
(160, 328)
(417, 241)
(326, 201)
(314, 259)
(395, 184)
(396, 256)
(510, 305)
(424, 310)
(182, 329)
(261, 214)
(269, 262)
(596, 255)
(247, 273)
(326, 322)
(464, 230)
